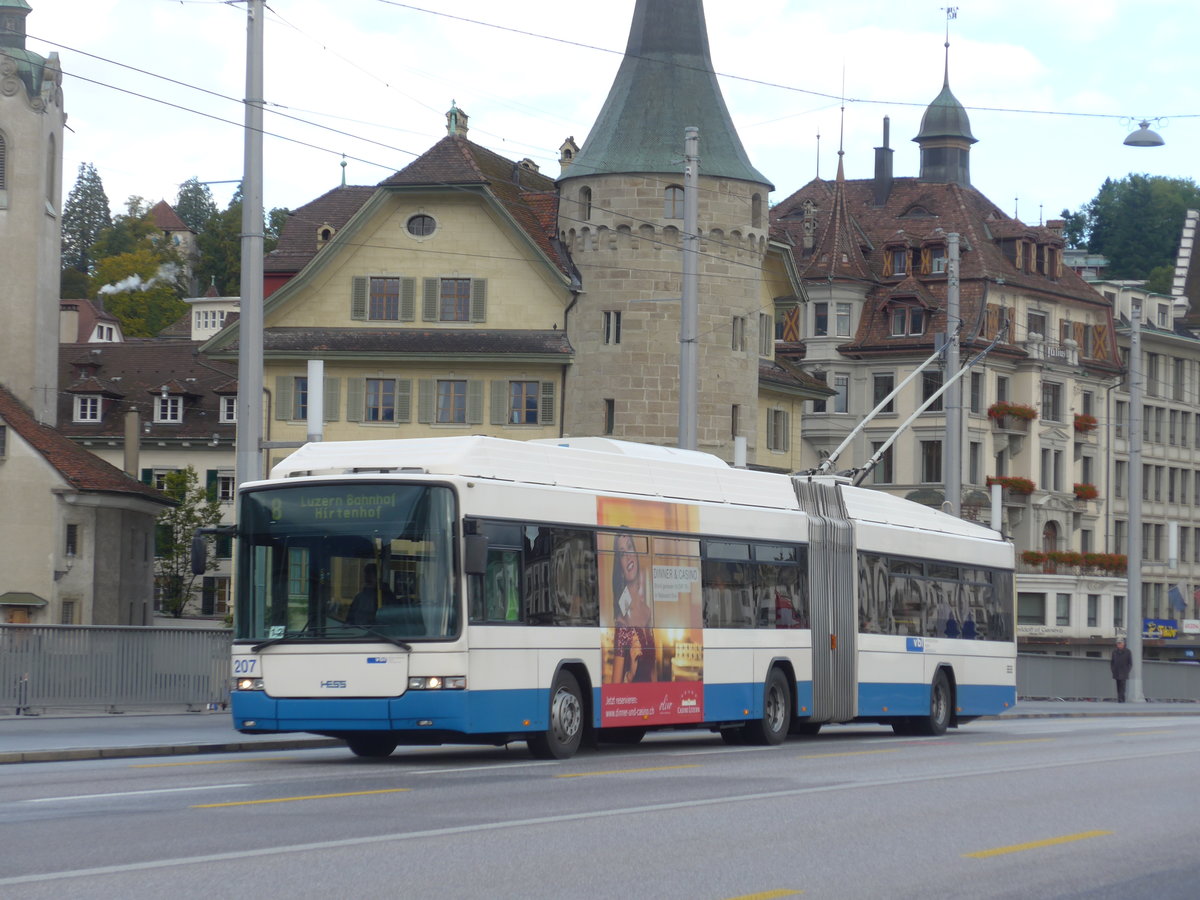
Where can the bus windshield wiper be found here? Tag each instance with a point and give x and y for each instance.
(306, 631)
(387, 637)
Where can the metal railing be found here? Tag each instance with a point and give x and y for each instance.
(115, 669)
(84, 667)
(1075, 678)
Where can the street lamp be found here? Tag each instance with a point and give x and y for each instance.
(1144, 137)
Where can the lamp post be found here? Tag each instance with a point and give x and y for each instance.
(1142, 137)
(1133, 562)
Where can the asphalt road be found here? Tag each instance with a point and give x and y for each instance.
(1031, 807)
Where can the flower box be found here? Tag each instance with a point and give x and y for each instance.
(1002, 409)
(1085, 423)
(1014, 483)
(1086, 491)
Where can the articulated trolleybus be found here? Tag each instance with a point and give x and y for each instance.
(478, 590)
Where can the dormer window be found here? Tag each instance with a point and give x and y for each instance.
(895, 261)
(324, 235)
(168, 409)
(933, 260)
(228, 414)
(88, 408)
(908, 319)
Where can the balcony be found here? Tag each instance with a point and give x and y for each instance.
(1011, 418)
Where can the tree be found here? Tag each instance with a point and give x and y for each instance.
(137, 274)
(220, 244)
(1136, 222)
(85, 214)
(141, 288)
(194, 508)
(195, 204)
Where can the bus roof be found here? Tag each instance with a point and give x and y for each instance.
(605, 466)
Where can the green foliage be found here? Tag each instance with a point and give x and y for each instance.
(141, 290)
(195, 204)
(73, 284)
(1161, 279)
(175, 527)
(85, 214)
(1136, 222)
(220, 245)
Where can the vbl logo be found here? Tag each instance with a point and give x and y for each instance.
(333, 684)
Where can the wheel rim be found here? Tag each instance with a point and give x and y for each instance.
(775, 708)
(566, 714)
(941, 704)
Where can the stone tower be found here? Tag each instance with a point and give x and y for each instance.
(31, 134)
(621, 214)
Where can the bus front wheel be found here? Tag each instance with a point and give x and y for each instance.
(372, 746)
(565, 732)
(772, 728)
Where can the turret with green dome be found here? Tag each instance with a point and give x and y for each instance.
(945, 138)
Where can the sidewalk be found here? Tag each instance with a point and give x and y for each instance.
(59, 735)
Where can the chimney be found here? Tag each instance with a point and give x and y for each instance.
(883, 166)
(1056, 226)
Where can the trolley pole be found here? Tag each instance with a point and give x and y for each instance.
(250, 323)
(689, 316)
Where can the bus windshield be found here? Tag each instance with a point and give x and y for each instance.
(347, 561)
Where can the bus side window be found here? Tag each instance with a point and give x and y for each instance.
(502, 586)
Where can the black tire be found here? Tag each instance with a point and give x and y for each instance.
(371, 746)
(622, 735)
(772, 728)
(564, 732)
(940, 704)
(734, 737)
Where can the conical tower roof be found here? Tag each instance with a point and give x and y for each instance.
(665, 84)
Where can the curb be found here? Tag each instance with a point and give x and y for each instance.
(86, 753)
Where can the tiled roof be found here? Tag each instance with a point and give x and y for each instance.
(527, 196)
(777, 373)
(414, 341)
(298, 242)
(132, 374)
(79, 468)
(166, 219)
(912, 215)
(89, 316)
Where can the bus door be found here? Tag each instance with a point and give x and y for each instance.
(833, 618)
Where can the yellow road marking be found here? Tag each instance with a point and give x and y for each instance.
(291, 799)
(626, 771)
(1034, 845)
(1015, 741)
(853, 753)
(208, 762)
(768, 895)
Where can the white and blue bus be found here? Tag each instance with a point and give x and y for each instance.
(479, 590)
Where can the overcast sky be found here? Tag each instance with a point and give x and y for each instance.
(1052, 86)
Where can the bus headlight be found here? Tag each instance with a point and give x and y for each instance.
(437, 682)
(247, 684)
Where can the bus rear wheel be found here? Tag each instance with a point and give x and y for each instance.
(562, 737)
(372, 746)
(772, 728)
(938, 720)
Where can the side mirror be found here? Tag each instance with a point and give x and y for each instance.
(199, 553)
(475, 551)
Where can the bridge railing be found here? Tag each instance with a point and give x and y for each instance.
(113, 668)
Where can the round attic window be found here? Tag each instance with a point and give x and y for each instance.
(421, 225)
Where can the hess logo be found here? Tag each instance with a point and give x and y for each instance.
(333, 685)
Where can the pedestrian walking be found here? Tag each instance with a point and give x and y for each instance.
(1121, 665)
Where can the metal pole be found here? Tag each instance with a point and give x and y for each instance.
(250, 322)
(689, 317)
(1133, 569)
(954, 416)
